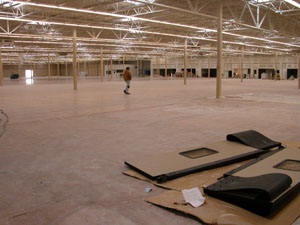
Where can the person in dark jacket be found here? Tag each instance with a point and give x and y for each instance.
(127, 79)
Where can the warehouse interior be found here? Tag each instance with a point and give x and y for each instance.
(200, 70)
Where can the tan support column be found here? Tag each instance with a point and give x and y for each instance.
(1, 69)
(49, 66)
(84, 67)
(141, 67)
(185, 61)
(88, 69)
(78, 66)
(101, 65)
(276, 67)
(57, 70)
(299, 72)
(242, 64)
(219, 48)
(19, 67)
(166, 68)
(97, 68)
(75, 71)
(208, 66)
(137, 66)
(66, 69)
(111, 63)
(157, 65)
(191, 65)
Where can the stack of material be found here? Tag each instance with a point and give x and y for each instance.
(268, 185)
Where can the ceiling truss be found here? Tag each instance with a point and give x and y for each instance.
(144, 28)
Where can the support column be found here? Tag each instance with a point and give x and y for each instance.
(57, 70)
(208, 72)
(78, 65)
(191, 65)
(199, 68)
(219, 54)
(185, 61)
(1, 69)
(66, 69)
(252, 69)
(242, 64)
(97, 69)
(111, 63)
(101, 65)
(137, 66)
(275, 66)
(299, 72)
(49, 66)
(231, 67)
(85, 68)
(33, 69)
(75, 72)
(157, 66)
(19, 67)
(166, 68)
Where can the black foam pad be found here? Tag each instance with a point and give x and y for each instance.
(253, 139)
(252, 193)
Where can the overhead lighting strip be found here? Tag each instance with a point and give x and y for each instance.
(292, 2)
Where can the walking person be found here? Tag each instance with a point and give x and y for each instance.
(127, 79)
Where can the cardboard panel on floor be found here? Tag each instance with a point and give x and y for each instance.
(215, 211)
(218, 212)
(197, 179)
(209, 156)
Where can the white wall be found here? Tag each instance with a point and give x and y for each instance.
(231, 63)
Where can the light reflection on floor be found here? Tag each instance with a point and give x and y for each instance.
(29, 81)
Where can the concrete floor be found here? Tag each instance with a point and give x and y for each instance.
(63, 151)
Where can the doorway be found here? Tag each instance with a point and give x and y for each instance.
(213, 72)
(29, 77)
(292, 73)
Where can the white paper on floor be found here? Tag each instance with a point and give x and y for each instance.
(193, 196)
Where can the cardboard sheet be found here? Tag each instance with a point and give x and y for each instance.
(215, 211)
(218, 212)
(175, 161)
(197, 179)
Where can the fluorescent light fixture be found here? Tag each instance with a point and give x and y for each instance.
(128, 19)
(138, 3)
(133, 2)
(292, 2)
(264, 1)
(135, 31)
(37, 23)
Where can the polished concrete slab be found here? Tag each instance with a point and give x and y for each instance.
(63, 151)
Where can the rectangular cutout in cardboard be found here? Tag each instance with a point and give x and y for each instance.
(197, 153)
